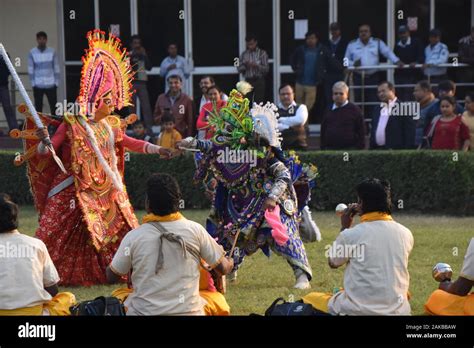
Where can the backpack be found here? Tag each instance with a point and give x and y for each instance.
(291, 309)
(100, 306)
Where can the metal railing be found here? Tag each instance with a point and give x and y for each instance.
(391, 67)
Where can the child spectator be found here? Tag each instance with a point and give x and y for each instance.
(140, 133)
(169, 136)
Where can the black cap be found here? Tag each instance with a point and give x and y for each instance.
(402, 29)
(435, 32)
(334, 26)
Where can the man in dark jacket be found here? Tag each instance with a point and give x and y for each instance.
(410, 51)
(393, 125)
(335, 72)
(309, 62)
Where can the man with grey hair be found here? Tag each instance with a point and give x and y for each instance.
(343, 123)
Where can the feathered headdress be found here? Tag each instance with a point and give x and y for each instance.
(265, 123)
(232, 122)
(106, 68)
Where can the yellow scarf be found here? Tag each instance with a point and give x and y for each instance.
(170, 217)
(374, 216)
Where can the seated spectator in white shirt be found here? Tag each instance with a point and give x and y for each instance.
(343, 124)
(29, 279)
(164, 255)
(375, 252)
(292, 120)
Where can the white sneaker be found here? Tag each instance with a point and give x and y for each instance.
(302, 282)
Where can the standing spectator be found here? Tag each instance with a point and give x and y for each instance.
(180, 105)
(435, 53)
(466, 56)
(253, 64)
(309, 62)
(468, 116)
(445, 88)
(335, 72)
(5, 96)
(141, 63)
(425, 97)
(205, 82)
(343, 124)
(389, 130)
(410, 51)
(174, 64)
(292, 119)
(448, 131)
(365, 51)
(43, 69)
(214, 96)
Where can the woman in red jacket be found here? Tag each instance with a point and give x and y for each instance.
(214, 95)
(450, 132)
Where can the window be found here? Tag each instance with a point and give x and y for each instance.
(215, 30)
(420, 10)
(317, 13)
(159, 24)
(453, 18)
(78, 20)
(116, 12)
(352, 13)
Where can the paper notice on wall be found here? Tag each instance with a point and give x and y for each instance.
(115, 29)
(412, 23)
(301, 28)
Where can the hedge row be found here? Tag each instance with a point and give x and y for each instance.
(422, 181)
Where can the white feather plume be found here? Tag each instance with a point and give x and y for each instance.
(265, 120)
(244, 87)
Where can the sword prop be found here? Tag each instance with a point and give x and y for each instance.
(34, 114)
(188, 149)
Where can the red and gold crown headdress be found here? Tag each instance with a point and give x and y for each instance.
(106, 68)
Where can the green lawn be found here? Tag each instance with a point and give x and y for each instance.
(262, 279)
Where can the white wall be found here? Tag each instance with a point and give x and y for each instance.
(20, 20)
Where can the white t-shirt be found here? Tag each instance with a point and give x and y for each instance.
(468, 264)
(175, 289)
(25, 270)
(376, 278)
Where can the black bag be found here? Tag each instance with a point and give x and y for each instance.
(100, 306)
(291, 309)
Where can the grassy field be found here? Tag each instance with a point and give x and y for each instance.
(262, 279)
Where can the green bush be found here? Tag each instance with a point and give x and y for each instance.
(422, 181)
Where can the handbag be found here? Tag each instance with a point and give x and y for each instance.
(100, 306)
